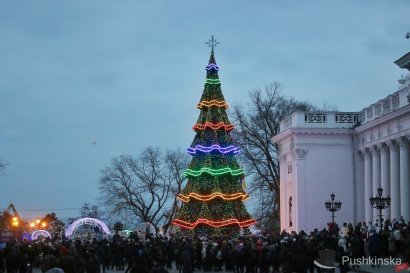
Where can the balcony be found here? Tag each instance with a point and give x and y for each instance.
(320, 120)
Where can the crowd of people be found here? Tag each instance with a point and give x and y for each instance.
(262, 253)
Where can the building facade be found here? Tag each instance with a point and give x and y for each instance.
(350, 154)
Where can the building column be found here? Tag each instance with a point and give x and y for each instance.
(283, 177)
(385, 175)
(376, 176)
(359, 190)
(404, 178)
(368, 185)
(394, 180)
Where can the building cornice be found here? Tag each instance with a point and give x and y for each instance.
(311, 131)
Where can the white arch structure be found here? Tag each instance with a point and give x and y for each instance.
(40, 232)
(86, 221)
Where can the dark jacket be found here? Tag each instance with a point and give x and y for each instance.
(286, 260)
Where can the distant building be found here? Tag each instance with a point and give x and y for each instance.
(349, 153)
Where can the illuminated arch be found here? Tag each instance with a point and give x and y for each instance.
(37, 233)
(86, 221)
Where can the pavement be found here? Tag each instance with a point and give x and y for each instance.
(362, 269)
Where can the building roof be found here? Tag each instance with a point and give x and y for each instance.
(404, 61)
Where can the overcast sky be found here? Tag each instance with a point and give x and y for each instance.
(128, 74)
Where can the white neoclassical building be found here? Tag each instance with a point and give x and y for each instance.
(350, 154)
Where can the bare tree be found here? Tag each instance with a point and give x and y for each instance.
(176, 163)
(255, 126)
(91, 211)
(142, 186)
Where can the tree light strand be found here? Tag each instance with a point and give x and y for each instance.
(212, 66)
(212, 103)
(211, 223)
(213, 81)
(205, 198)
(224, 150)
(214, 172)
(213, 126)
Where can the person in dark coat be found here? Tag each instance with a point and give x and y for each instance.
(49, 264)
(169, 252)
(93, 262)
(2, 269)
(23, 262)
(106, 257)
(356, 247)
(286, 259)
(406, 249)
(186, 260)
(238, 258)
(68, 264)
(12, 261)
(374, 246)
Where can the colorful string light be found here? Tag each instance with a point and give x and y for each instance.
(205, 198)
(40, 232)
(212, 103)
(86, 221)
(212, 67)
(214, 191)
(211, 223)
(199, 148)
(213, 81)
(214, 172)
(213, 126)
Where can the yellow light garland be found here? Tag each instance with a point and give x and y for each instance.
(212, 103)
(204, 198)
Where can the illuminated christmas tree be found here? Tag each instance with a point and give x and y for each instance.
(214, 194)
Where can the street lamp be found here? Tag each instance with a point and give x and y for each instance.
(380, 203)
(333, 206)
(14, 222)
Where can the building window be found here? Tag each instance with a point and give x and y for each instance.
(378, 109)
(290, 170)
(315, 118)
(362, 116)
(290, 211)
(386, 106)
(396, 101)
(370, 112)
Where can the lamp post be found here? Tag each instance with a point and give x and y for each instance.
(379, 202)
(333, 206)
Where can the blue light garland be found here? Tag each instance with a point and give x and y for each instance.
(204, 149)
(212, 67)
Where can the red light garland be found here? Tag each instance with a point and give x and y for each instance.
(213, 126)
(211, 223)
